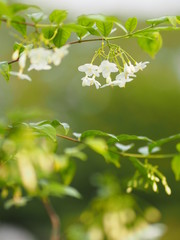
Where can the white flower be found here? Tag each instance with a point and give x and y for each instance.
(107, 68)
(124, 77)
(20, 75)
(89, 69)
(141, 66)
(39, 58)
(121, 80)
(129, 70)
(87, 81)
(59, 54)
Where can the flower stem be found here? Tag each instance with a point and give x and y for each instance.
(55, 221)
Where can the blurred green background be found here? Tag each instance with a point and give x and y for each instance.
(149, 105)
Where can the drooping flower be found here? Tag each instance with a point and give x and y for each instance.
(129, 70)
(87, 81)
(20, 75)
(141, 66)
(40, 59)
(59, 54)
(89, 69)
(106, 68)
(121, 80)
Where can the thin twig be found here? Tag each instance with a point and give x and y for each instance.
(68, 138)
(17, 22)
(55, 221)
(13, 61)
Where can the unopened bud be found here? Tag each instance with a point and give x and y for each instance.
(15, 55)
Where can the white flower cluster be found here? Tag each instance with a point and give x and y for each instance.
(40, 59)
(106, 68)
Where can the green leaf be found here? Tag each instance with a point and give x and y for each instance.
(19, 46)
(49, 32)
(162, 141)
(19, 27)
(44, 129)
(68, 173)
(61, 37)
(150, 43)
(156, 21)
(89, 20)
(126, 137)
(178, 19)
(172, 20)
(65, 126)
(75, 152)
(85, 21)
(20, 202)
(4, 70)
(131, 24)
(17, 7)
(104, 27)
(94, 133)
(100, 146)
(178, 147)
(58, 190)
(175, 164)
(93, 31)
(78, 29)
(4, 9)
(36, 17)
(57, 16)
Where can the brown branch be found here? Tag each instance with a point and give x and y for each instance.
(17, 22)
(68, 138)
(13, 61)
(55, 221)
(86, 40)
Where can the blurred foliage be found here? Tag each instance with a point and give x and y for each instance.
(33, 164)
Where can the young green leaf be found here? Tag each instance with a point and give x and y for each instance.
(36, 17)
(172, 20)
(4, 9)
(126, 137)
(131, 24)
(94, 133)
(78, 29)
(104, 27)
(49, 32)
(100, 146)
(85, 21)
(175, 164)
(61, 37)
(4, 70)
(150, 42)
(65, 126)
(93, 31)
(18, 23)
(57, 16)
(17, 7)
(157, 21)
(58, 190)
(162, 141)
(44, 130)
